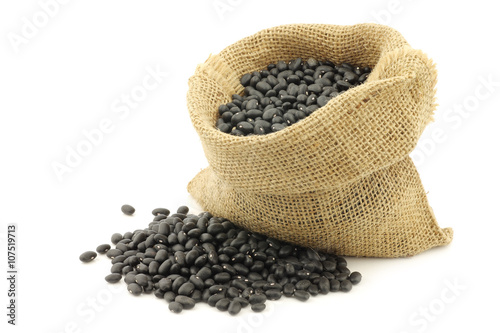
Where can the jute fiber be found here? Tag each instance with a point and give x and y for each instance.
(340, 180)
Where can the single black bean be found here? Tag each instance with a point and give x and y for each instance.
(324, 285)
(273, 294)
(88, 256)
(277, 127)
(113, 277)
(343, 85)
(175, 307)
(128, 210)
(245, 79)
(117, 268)
(346, 285)
(162, 211)
(134, 289)
(351, 77)
(301, 295)
(288, 289)
(222, 277)
(313, 290)
(232, 292)
(323, 100)
(234, 307)
(355, 277)
(222, 304)
(116, 237)
(258, 307)
(263, 86)
(186, 289)
(254, 299)
(334, 285)
(245, 127)
(204, 273)
(196, 295)
(103, 248)
(342, 276)
(303, 285)
(187, 302)
(212, 300)
(158, 293)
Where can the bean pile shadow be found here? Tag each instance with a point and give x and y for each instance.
(186, 258)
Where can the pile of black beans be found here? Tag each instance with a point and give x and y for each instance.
(286, 93)
(186, 258)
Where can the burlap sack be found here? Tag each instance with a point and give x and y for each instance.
(341, 179)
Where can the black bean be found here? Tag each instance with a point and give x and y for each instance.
(269, 114)
(263, 87)
(128, 210)
(88, 256)
(288, 289)
(254, 81)
(245, 127)
(103, 248)
(355, 277)
(197, 282)
(342, 276)
(116, 237)
(303, 274)
(204, 273)
(113, 253)
(141, 279)
(346, 285)
(277, 127)
(312, 63)
(362, 78)
(245, 79)
(186, 289)
(232, 292)
(323, 100)
(324, 285)
(183, 209)
(254, 299)
(196, 295)
(186, 302)
(162, 211)
(134, 289)
(234, 307)
(273, 294)
(258, 307)
(303, 285)
(313, 290)
(130, 277)
(175, 307)
(169, 296)
(117, 268)
(158, 293)
(343, 85)
(165, 284)
(222, 277)
(222, 304)
(113, 277)
(212, 300)
(334, 285)
(301, 295)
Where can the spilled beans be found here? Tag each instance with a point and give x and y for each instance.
(185, 258)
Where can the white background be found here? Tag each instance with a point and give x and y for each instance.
(65, 77)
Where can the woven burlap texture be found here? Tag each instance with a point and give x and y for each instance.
(340, 180)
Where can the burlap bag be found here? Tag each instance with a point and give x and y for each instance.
(340, 180)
